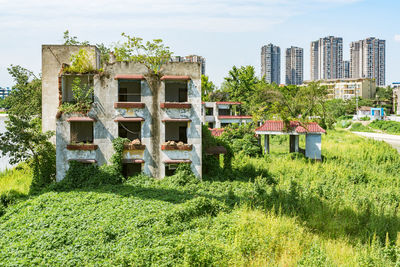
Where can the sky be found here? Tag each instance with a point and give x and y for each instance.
(225, 32)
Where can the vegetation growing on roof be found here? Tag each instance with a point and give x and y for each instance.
(81, 63)
(153, 54)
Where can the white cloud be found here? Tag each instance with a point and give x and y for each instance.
(397, 37)
(206, 15)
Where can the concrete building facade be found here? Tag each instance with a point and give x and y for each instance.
(367, 59)
(162, 121)
(349, 88)
(221, 114)
(271, 63)
(327, 58)
(192, 58)
(294, 65)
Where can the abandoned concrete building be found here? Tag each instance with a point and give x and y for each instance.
(164, 123)
(221, 114)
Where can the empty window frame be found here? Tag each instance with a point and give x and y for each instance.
(81, 132)
(131, 169)
(176, 91)
(69, 81)
(130, 130)
(129, 91)
(176, 131)
(170, 169)
(211, 125)
(224, 112)
(209, 111)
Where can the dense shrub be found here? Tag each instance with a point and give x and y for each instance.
(359, 127)
(391, 127)
(366, 118)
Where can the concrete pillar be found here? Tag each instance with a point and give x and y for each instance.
(266, 143)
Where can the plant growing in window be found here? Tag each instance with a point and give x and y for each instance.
(82, 95)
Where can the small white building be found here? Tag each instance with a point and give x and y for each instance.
(311, 130)
(221, 114)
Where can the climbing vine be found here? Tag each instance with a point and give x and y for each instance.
(116, 159)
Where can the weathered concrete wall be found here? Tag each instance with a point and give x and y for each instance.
(53, 56)
(106, 129)
(313, 146)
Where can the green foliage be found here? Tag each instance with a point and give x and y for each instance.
(81, 62)
(26, 97)
(242, 139)
(366, 118)
(183, 176)
(152, 54)
(88, 175)
(344, 124)
(241, 85)
(72, 40)
(116, 159)
(390, 127)
(82, 94)
(341, 212)
(104, 53)
(207, 88)
(359, 127)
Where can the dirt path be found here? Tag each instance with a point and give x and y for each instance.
(393, 140)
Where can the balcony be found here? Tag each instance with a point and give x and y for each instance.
(86, 147)
(178, 105)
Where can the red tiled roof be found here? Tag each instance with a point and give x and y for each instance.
(228, 103)
(277, 126)
(176, 78)
(234, 117)
(129, 77)
(217, 131)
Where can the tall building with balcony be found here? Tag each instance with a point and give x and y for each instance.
(271, 63)
(327, 58)
(346, 69)
(367, 59)
(294, 65)
(162, 121)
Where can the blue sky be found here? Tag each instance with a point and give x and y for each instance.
(225, 32)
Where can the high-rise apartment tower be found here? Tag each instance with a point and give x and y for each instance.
(271, 63)
(327, 58)
(294, 65)
(367, 60)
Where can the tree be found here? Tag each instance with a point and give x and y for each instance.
(207, 88)
(23, 139)
(300, 103)
(26, 96)
(241, 84)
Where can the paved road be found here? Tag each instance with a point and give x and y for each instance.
(393, 140)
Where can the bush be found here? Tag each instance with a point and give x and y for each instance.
(366, 118)
(88, 175)
(391, 127)
(358, 127)
(183, 176)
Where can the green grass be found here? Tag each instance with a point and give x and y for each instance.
(359, 127)
(17, 179)
(277, 210)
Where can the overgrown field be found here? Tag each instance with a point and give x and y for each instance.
(390, 127)
(281, 209)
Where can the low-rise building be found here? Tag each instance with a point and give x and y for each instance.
(162, 121)
(4, 92)
(396, 97)
(349, 88)
(221, 114)
(371, 113)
